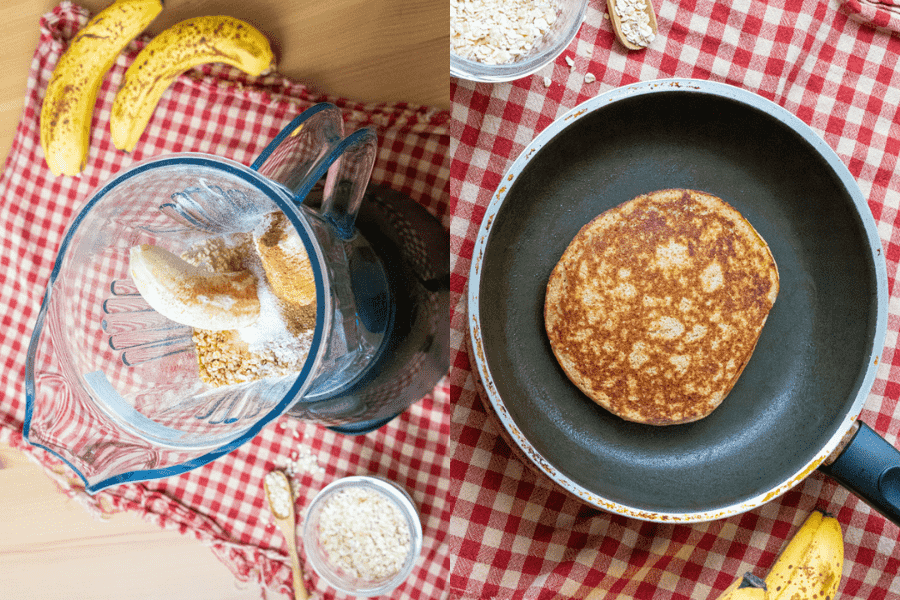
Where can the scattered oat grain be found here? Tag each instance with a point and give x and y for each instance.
(302, 462)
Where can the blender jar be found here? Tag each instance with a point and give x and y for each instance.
(113, 387)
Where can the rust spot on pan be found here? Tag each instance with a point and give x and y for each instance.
(479, 348)
(845, 441)
(824, 457)
(812, 466)
(476, 347)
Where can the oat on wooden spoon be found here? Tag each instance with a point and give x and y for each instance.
(634, 22)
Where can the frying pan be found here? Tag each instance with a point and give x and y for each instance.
(796, 405)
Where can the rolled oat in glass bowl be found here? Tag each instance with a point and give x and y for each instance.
(362, 535)
(504, 40)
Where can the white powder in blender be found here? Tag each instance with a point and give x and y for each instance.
(271, 332)
(277, 344)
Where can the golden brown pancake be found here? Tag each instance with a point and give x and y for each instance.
(657, 304)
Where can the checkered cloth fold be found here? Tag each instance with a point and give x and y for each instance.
(221, 111)
(514, 533)
(883, 14)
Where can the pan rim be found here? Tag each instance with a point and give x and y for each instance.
(488, 388)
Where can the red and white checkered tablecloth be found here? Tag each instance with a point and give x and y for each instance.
(883, 14)
(514, 533)
(219, 110)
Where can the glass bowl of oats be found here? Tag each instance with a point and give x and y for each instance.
(362, 535)
(504, 40)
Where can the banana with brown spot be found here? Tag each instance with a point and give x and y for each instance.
(196, 41)
(810, 566)
(68, 105)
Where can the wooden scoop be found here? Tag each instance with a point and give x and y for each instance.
(617, 23)
(281, 502)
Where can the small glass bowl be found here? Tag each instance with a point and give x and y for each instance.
(561, 34)
(338, 578)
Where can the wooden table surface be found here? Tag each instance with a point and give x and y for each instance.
(370, 50)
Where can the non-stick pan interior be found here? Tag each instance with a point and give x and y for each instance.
(814, 350)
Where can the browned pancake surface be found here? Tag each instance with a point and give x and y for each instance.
(657, 304)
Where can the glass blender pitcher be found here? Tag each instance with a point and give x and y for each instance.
(114, 388)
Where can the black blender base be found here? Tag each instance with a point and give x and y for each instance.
(414, 250)
(363, 427)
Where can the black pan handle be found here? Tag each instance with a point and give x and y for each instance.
(869, 467)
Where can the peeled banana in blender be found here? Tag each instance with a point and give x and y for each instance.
(192, 42)
(193, 296)
(811, 564)
(68, 104)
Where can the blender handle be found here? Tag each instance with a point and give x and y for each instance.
(347, 179)
(292, 155)
(313, 145)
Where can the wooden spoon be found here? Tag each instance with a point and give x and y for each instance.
(281, 502)
(617, 23)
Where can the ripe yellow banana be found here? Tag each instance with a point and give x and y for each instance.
(184, 45)
(810, 566)
(69, 101)
(746, 587)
